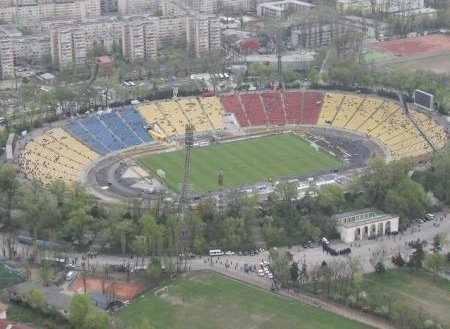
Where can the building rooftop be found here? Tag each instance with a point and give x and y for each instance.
(361, 216)
(279, 5)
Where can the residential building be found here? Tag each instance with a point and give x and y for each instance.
(140, 39)
(7, 35)
(29, 14)
(128, 7)
(206, 30)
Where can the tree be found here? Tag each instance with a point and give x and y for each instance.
(9, 189)
(45, 273)
(96, 320)
(78, 310)
(154, 271)
(437, 177)
(435, 262)
(294, 271)
(280, 265)
(407, 199)
(438, 241)
(418, 255)
(35, 299)
(83, 316)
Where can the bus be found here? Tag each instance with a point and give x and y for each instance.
(216, 252)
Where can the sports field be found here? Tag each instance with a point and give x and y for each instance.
(415, 289)
(205, 300)
(243, 162)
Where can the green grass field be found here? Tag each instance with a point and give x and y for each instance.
(417, 289)
(243, 162)
(205, 300)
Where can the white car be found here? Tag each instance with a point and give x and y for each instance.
(229, 252)
(265, 262)
(260, 272)
(266, 270)
(270, 275)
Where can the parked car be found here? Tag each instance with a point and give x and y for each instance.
(260, 272)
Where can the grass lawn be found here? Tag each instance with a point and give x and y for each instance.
(414, 288)
(205, 300)
(243, 162)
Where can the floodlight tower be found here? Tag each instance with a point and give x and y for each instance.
(220, 201)
(188, 142)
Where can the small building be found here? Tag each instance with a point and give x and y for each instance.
(364, 224)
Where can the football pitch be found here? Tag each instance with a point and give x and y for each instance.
(243, 162)
(205, 300)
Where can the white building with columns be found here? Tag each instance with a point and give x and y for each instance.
(365, 223)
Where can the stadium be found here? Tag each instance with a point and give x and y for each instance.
(256, 139)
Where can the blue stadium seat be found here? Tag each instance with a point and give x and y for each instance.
(120, 129)
(79, 132)
(135, 121)
(97, 129)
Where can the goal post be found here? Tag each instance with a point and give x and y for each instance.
(161, 290)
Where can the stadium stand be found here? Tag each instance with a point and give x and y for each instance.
(273, 108)
(173, 114)
(366, 110)
(82, 134)
(194, 113)
(62, 153)
(232, 104)
(99, 130)
(383, 120)
(311, 105)
(254, 108)
(55, 155)
(349, 106)
(120, 130)
(213, 109)
(331, 104)
(152, 114)
(292, 103)
(434, 132)
(136, 123)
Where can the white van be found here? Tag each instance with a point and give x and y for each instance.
(70, 276)
(325, 241)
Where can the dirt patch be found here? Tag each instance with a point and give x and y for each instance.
(121, 290)
(427, 44)
(173, 300)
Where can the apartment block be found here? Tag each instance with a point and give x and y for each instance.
(206, 31)
(139, 39)
(28, 14)
(128, 7)
(6, 55)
